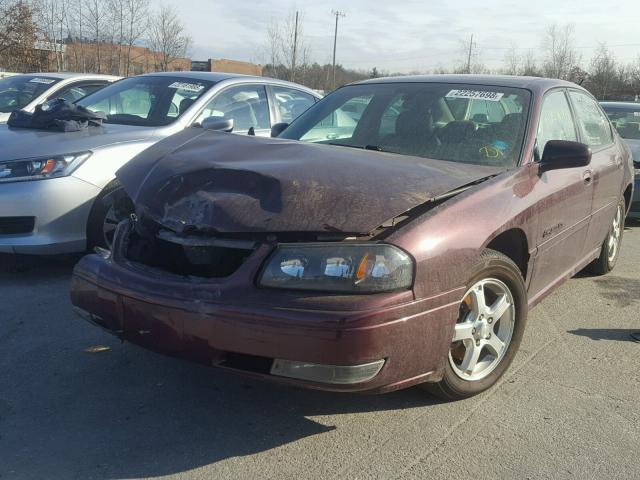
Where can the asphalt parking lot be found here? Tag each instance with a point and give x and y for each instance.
(568, 407)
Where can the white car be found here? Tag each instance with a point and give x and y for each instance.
(25, 92)
(57, 189)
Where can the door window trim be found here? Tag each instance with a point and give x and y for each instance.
(537, 155)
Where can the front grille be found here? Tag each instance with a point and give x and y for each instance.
(16, 225)
(187, 255)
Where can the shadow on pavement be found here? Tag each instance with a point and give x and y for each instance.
(618, 334)
(130, 413)
(32, 266)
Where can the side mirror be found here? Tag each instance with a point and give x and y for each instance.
(559, 154)
(277, 129)
(218, 124)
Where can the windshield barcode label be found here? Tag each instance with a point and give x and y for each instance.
(46, 81)
(475, 94)
(188, 87)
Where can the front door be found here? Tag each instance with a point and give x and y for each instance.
(563, 200)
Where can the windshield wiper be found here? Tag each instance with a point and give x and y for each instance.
(366, 147)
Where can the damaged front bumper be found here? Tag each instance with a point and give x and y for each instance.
(373, 343)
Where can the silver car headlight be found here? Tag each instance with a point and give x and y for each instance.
(341, 268)
(41, 168)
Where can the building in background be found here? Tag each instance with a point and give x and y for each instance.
(226, 66)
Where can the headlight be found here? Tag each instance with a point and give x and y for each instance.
(331, 267)
(41, 168)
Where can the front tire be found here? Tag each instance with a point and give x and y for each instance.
(486, 337)
(109, 208)
(610, 250)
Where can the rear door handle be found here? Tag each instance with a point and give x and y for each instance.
(587, 177)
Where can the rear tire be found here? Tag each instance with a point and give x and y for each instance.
(109, 208)
(610, 250)
(492, 320)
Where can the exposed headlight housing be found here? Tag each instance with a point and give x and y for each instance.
(41, 168)
(340, 268)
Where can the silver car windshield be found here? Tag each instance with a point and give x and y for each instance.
(626, 121)
(19, 91)
(150, 101)
(463, 123)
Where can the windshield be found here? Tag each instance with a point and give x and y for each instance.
(19, 91)
(626, 121)
(463, 123)
(146, 101)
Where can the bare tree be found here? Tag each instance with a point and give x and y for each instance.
(18, 34)
(287, 51)
(97, 21)
(167, 37)
(512, 61)
(530, 65)
(603, 72)
(136, 11)
(560, 54)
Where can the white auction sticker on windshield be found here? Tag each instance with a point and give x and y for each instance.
(476, 94)
(46, 81)
(188, 87)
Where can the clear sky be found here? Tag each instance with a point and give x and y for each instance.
(409, 35)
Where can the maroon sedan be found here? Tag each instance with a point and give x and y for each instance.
(396, 234)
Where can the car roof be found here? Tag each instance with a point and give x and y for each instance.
(621, 105)
(69, 75)
(536, 84)
(220, 76)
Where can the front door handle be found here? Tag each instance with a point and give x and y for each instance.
(587, 177)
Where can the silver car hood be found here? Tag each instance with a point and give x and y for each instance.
(4, 117)
(26, 143)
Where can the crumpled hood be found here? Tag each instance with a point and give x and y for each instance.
(26, 143)
(231, 183)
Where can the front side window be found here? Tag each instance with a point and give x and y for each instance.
(556, 121)
(150, 101)
(593, 124)
(246, 105)
(460, 123)
(291, 102)
(73, 93)
(19, 91)
(626, 121)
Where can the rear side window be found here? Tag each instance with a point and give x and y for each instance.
(556, 122)
(291, 102)
(593, 124)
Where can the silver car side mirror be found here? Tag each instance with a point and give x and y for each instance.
(218, 124)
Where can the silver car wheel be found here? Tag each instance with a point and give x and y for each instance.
(484, 330)
(613, 243)
(109, 225)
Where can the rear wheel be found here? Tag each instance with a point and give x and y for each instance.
(610, 250)
(489, 329)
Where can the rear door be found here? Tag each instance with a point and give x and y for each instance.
(606, 164)
(563, 199)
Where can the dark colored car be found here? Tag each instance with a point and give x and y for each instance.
(398, 244)
(625, 116)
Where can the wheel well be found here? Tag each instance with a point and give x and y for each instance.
(627, 197)
(513, 243)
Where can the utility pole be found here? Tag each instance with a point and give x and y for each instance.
(338, 14)
(295, 49)
(469, 58)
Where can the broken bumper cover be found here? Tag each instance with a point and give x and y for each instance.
(345, 349)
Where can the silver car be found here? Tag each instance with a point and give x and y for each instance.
(24, 92)
(625, 116)
(55, 188)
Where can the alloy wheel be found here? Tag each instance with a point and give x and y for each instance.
(613, 243)
(484, 329)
